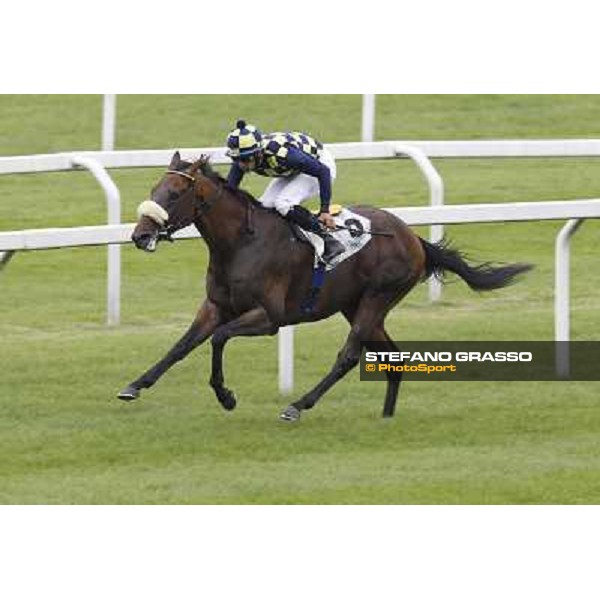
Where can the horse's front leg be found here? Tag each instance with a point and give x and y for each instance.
(253, 322)
(205, 323)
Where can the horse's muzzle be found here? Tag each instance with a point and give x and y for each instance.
(145, 241)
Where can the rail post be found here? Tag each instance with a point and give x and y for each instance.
(113, 205)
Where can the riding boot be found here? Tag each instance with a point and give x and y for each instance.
(332, 248)
(305, 219)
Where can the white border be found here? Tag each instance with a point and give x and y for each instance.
(298, 552)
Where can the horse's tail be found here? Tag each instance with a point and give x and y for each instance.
(440, 257)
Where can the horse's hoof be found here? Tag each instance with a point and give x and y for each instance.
(129, 393)
(227, 400)
(291, 413)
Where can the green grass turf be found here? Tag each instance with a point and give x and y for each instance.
(64, 438)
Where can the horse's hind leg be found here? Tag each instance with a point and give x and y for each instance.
(347, 359)
(385, 344)
(204, 324)
(365, 320)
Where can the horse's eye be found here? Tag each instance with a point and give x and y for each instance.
(173, 196)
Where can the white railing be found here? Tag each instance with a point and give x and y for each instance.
(109, 120)
(113, 210)
(347, 151)
(419, 151)
(574, 210)
(99, 161)
(368, 118)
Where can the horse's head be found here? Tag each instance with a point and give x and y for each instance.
(172, 204)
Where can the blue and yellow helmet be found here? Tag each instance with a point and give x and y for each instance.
(243, 141)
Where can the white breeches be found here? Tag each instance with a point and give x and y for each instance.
(284, 192)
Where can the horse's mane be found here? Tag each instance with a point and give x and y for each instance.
(207, 170)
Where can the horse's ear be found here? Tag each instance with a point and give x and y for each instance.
(175, 160)
(200, 163)
(196, 165)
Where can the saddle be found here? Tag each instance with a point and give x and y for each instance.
(353, 235)
(298, 232)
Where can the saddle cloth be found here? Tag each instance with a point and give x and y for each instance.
(353, 239)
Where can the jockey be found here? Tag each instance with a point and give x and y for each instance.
(302, 168)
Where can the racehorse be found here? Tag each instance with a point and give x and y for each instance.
(259, 274)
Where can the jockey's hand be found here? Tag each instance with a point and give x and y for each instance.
(326, 219)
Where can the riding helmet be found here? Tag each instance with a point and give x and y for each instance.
(244, 140)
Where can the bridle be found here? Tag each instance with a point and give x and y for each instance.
(204, 204)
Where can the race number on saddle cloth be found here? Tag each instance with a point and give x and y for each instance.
(353, 234)
(302, 169)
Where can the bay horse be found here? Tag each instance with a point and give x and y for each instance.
(259, 274)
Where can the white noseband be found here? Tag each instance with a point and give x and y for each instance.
(154, 211)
